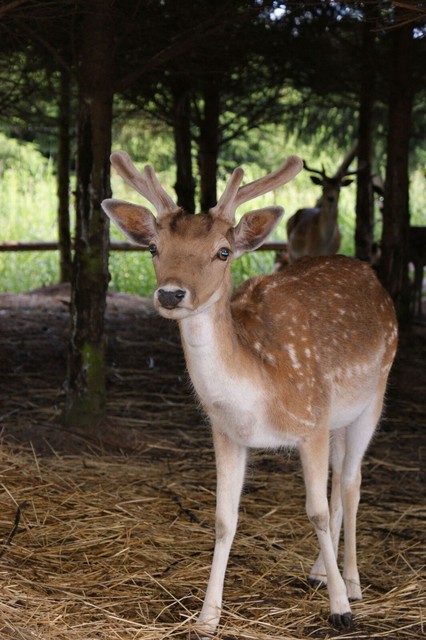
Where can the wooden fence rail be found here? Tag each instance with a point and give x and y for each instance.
(114, 246)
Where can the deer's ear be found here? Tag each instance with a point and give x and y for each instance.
(316, 180)
(136, 222)
(346, 183)
(254, 227)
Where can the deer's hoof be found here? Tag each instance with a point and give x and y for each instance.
(342, 621)
(317, 583)
(354, 591)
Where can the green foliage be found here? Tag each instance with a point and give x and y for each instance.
(418, 197)
(249, 264)
(132, 272)
(146, 141)
(27, 213)
(27, 193)
(24, 271)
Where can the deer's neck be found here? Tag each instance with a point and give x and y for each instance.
(215, 359)
(207, 336)
(228, 380)
(328, 217)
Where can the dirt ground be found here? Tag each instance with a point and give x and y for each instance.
(109, 535)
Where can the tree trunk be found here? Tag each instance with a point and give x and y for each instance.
(396, 218)
(64, 234)
(185, 186)
(209, 147)
(364, 197)
(85, 404)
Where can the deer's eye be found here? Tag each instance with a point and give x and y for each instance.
(223, 254)
(152, 249)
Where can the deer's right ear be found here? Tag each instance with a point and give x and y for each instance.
(136, 222)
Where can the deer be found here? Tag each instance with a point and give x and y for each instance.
(297, 359)
(314, 231)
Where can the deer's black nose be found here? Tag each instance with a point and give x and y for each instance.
(169, 299)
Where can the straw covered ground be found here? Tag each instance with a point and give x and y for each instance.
(109, 536)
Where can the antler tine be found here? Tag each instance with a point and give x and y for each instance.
(353, 173)
(225, 207)
(156, 194)
(146, 184)
(288, 170)
(362, 166)
(320, 172)
(233, 196)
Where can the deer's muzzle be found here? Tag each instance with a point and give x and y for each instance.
(170, 298)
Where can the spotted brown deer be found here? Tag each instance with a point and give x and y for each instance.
(296, 359)
(314, 231)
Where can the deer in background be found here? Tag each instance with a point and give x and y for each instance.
(297, 359)
(314, 231)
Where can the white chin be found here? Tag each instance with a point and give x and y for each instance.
(178, 313)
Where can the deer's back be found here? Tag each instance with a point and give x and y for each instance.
(322, 317)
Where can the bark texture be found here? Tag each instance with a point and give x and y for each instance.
(85, 404)
(209, 147)
(364, 197)
(185, 185)
(64, 233)
(396, 217)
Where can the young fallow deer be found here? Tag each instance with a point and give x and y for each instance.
(294, 359)
(314, 231)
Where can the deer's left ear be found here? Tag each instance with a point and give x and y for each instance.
(254, 227)
(136, 222)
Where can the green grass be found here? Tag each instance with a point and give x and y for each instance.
(23, 271)
(132, 272)
(27, 213)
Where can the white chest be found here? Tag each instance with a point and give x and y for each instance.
(234, 402)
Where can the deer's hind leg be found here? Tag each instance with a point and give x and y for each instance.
(358, 437)
(314, 454)
(317, 574)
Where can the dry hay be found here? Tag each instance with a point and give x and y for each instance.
(115, 543)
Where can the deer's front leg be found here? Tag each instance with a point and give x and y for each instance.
(230, 464)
